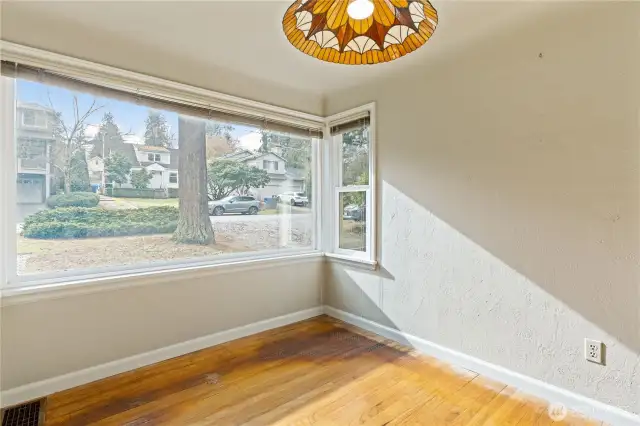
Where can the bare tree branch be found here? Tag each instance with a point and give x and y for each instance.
(71, 136)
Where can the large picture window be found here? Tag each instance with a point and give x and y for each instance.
(100, 179)
(98, 191)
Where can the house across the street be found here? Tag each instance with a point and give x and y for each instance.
(35, 140)
(283, 178)
(160, 162)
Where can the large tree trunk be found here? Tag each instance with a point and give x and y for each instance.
(194, 225)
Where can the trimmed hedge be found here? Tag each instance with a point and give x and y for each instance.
(74, 199)
(81, 222)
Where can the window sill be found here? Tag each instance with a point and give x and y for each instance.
(369, 265)
(53, 289)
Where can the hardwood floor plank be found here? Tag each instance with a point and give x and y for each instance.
(121, 392)
(269, 367)
(316, 372)
(133, 388)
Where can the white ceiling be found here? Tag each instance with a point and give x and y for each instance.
(246, 36)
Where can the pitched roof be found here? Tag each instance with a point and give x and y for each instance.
(149, 148)
(126, 149)
(33, 105)
(244, 155)
(239, 155)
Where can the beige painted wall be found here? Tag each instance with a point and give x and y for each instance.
(510, 191)
(45, 339)
(21, 23)
(48, 338)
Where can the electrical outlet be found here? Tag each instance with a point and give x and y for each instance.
(593, 351)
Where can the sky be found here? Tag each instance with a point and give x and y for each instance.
(128, 116)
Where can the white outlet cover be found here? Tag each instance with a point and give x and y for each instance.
(593, 350)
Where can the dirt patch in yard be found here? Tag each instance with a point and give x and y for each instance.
(38, 256)
(245, 234)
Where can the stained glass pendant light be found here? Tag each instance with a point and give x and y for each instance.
(359, 32)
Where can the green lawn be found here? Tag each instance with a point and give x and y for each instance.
(147, 202)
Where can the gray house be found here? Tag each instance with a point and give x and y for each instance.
(283, 179)
(34, 143)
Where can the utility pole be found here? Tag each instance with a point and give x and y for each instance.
(102, 174)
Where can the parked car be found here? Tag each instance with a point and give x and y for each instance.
(354, 212)
(294, 198)
(244, 204)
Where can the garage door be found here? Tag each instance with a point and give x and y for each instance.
(30, 190)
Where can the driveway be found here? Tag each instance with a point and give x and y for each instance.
(280, 230)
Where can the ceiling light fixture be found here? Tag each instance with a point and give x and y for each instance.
(360, 9)
(356, 32)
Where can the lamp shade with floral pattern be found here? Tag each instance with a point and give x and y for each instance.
(325, 30)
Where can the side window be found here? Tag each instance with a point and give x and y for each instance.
(352, 165)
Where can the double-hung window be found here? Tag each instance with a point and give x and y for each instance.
(351, 185)
(270, 165)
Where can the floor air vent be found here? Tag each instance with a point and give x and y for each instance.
(28, 414)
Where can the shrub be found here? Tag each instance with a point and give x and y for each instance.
(81, 222)
(74, 199)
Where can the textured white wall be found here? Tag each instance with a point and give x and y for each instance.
(49, 338)
(510, 191)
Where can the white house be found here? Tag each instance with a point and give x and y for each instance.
(161, 162)
(283, 179)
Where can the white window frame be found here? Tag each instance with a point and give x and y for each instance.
(115, 78)
(173, 175)
(332, 170)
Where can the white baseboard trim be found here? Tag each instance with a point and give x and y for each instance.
(581, 404)
(67, 381)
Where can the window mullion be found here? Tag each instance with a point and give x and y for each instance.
(8, 233)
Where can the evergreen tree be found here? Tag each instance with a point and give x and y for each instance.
(157, 131)
(79, 172)
(117, 168)
(109, 134)
(140, 179)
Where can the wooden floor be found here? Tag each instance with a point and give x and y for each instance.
(319, 371)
